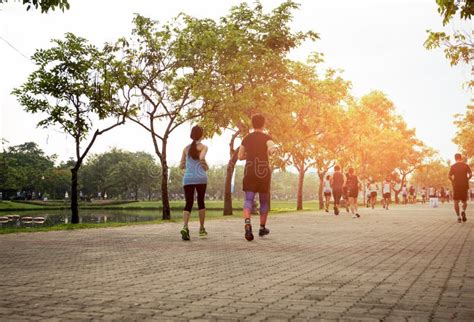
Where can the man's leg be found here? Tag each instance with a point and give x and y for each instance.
(456, 209)
(248, 204)
(464, 207)
(351, 204)
(264, 209)
(337, 200)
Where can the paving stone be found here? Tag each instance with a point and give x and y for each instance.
(408, 263)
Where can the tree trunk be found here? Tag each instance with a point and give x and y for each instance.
(164, 190)
(320, 191)
(228, 184)
(74, 204)
(299, 198)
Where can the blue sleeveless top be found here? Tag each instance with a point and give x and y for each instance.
(194, 173)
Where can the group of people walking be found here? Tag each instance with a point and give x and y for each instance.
(342, 186)
(256, 148)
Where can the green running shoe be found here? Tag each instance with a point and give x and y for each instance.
(202, 232)
(185, 233)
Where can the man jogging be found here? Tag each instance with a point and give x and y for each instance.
(255, 149)
(338, 181)
(459, 175)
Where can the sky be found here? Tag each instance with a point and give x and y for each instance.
(377, 43)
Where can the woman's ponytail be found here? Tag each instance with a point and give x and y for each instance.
(196, 134)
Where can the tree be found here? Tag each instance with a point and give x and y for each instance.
(72, 88)
(311, 133)
(252, 72)
(94, 174)
(433, 173)
(44, 5)
(23, 167)
(136, 174)
(380, 144)
(465, 135)
(459, 45)
(171, 68)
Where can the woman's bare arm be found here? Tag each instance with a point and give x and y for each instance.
(182, 163)
(202, 157)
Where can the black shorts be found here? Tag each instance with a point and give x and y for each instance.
(460, 194)
(327, 194)
(337, 194)
(260, 184)
(352, 194)
(387, 195)
(373, 194)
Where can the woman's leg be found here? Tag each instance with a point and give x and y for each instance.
(351, 205)
(201, 193)
(328, 199)
(189, 197)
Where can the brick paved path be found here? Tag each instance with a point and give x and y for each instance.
(410, 263)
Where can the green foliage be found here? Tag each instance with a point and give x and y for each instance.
(44, 5)
(465, 135)
(23, 166)
(433, 173)
(457, 47)
(251, 68)
(119, 174)
(70, 86)
(449, 8)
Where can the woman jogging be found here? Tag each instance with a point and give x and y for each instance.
(327, 192)
(353, 186)
(373, 188)
(194, 180)
(338, 181)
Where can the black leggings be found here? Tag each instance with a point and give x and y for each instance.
(189, 195)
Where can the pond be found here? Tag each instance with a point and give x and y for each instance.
(46, 218)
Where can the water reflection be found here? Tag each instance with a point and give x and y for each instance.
(53, 217)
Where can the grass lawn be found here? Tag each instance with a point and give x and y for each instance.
(176, 216)
(277, 206)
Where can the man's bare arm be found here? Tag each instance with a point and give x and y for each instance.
(242, 154)
(271, 147)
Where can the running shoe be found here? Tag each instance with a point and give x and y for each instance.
(463, 216)
(327, 210)
(357, 215)
(185, 233)
(248, 232)
(459, 219)
(202, 232)
(263, 231)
